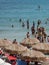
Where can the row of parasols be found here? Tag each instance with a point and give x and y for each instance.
(28, 49)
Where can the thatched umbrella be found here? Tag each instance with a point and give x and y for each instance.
(32, 55)
(5, 42)
(43, 47)
(15, 48)
(45, 62)
(29, 42)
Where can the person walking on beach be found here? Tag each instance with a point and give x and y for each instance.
(27, 24)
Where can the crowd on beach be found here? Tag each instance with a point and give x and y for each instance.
(38, 33)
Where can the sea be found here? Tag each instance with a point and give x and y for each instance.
(13, 10)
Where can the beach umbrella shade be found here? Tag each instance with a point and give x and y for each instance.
(35, 40)
(15, 49)
(29, 42)
(45, 62)
(33, 55)
(4, 42)
(43, 47)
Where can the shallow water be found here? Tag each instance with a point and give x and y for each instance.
(12, 10)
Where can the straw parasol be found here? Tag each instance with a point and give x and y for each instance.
(15, 48)
(35, 40)
(32, 55)
(29, 42)
(4, 42)
(43, 47)
(45, 62)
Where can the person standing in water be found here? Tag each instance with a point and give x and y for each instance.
(38, 6)
(14, 41)
(33, 24)
(27, 24)
(20, 20)
(36, 35)
(28, 35)
(32, 30)
(38, 23)
(48, 38)
(12, 25)
(23, 25)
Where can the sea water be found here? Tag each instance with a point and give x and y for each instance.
(12, 10)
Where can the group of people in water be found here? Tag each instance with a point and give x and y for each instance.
(38, 32)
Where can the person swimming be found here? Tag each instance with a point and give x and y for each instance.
(39, 7)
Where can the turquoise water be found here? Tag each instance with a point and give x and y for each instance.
(12, 10)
